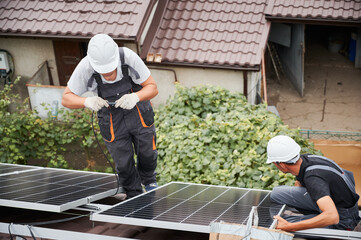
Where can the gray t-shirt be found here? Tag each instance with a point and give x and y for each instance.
(79, 80)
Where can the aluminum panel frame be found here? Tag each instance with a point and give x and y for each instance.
(48, 233)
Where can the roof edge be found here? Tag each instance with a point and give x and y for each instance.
(145, 20)
(154, 26)
(197, 65)
(307, 20)
(73, 37)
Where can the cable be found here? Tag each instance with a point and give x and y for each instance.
(31, 232)
(16, 236)
(11, 236)
(42, 223)
(55, 221)
(106, 157)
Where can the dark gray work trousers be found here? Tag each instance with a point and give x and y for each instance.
(298, 198)
(133, 138)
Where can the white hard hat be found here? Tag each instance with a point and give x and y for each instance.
(282, 149)
(103, 53)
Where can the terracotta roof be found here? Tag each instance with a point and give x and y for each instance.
(224, 33)
(335, 10)
(121, 19)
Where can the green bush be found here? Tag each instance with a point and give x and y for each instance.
(209, 135)
(26, 136)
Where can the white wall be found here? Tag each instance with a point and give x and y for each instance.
(29, 54)
(166, 85)
(229, 79)
(131, 46)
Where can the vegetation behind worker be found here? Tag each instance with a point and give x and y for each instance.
(324, 193)
(124, 86)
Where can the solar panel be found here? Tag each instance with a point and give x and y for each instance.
(51, 189)
(191, 207)
(6, 169)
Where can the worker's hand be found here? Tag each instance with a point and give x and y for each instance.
(95, 103)
(127, 101)
(283, 224)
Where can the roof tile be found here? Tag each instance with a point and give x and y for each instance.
(231, 33)
(81, 18)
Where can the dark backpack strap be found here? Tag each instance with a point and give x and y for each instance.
(99, 81)
(125, 71)
(126, 67)
(347, 176)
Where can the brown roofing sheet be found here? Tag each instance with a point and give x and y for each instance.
(345, 10)
(228, 33)
(74, 18)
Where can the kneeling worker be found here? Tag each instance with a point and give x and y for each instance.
(324, 193)
(124, 87)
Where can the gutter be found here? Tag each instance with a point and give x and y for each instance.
(318, 21)
(214, 66)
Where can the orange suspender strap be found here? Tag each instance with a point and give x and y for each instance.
(111, 130)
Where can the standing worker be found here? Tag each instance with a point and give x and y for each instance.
(324, 193)
(124, 87)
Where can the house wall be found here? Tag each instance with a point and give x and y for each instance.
(29, 54)
(189, 77)
(131, 46)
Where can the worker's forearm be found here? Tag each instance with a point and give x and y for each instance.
(148, 92)
(72, 101)
(322, 220)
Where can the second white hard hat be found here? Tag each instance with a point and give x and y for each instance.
(282, 149)
(103, 53)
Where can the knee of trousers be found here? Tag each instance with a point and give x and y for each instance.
(149, 162)
(278, 193)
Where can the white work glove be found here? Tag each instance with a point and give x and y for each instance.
(95, 103)
(127, 101)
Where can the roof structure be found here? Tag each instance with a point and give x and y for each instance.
(121, 19)
(205, 33)
(345, 11)
(223, 33)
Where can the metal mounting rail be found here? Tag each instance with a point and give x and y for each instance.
(48, 233)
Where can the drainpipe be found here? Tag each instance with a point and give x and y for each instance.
(263, 69)
(245, 84)
(138, 48)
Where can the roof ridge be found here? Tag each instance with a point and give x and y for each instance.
(67, 21)
(216, 30)
(320, 16)
(90, 1)
(71, 10)
(211, 20)
(212, 10)
(206, 49)
(322, 7)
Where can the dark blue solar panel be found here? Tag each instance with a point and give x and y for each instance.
(194, 204)
(51, 189)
